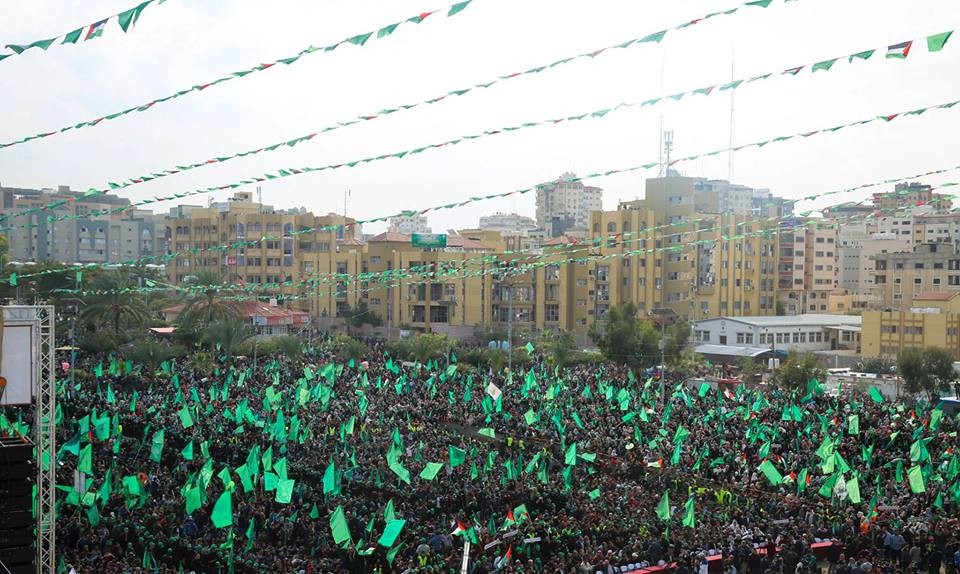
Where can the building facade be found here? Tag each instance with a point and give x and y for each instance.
(934, 321)
(808, 332)
(87, 229)
(409, 224)
(565, 204)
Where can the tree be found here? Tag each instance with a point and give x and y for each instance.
(349, 348)
(560, 345)
(795, 373)
(361, 316)
(151, 353)
(207, 303)
(626, 339)
(877, 365)
(928, 370)
(686, 363)
(676, 339)
(115, 302)
(228, 334)
(750, 369)
(290, 346)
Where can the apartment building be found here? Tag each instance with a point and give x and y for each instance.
(909, 195)
(564, 206)
(409, 224)
(808, 264)
(97, 229)
(898, 278)
(934, 321)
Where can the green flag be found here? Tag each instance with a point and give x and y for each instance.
(222, 515)
(391, 532)
(284, 491)
(689, 514)
(187, 451)
(853, 490)
(457, 456)
(915, 476)
(663, 507)
(185, 419)
(85, 464)
(570, 457)
(936, 42)
(330, 480)
(338, 527)
(192, 497)
(156, 446)
(430, 471)
(771, 472)
(72, 37)
(875, 395)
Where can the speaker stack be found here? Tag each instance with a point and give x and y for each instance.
(17, 477)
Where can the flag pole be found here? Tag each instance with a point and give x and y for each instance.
(466, 557)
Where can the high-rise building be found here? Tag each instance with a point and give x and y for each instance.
(907, 195)
(87, 229)
(507, 223)
(564, 206)
(408, 224)
(899, 278)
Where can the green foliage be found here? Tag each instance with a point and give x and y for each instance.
(119, 306)
(687, 363)
(361, 316)
(877, 365)
(750, 370)
(224, 336)
(677, 336)
(559, 345)
(487, 334)
(795, 373)
(207, 304)
(151, 353)
(928, 370)
(98, 342)
(420, 348)
(626, 339)
(348, 348)
(289, 346)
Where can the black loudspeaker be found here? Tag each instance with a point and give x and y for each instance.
(17, 477)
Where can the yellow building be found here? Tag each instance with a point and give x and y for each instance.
(934, 321)
(898, 278)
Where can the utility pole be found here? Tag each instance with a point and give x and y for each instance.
(510, 328)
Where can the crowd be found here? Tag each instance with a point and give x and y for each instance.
(382, 466)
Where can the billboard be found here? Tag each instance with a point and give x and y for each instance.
(429, 240)
(19, 333)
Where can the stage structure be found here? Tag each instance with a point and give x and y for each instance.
(27, 365)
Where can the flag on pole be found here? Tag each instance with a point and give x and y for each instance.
(689, 515)
(663, 508)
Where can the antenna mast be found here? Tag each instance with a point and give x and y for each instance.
(733, 100)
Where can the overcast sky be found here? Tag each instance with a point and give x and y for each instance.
(181, 43)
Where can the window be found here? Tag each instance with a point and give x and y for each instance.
(551, 312)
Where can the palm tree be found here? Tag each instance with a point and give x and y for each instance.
(207, 304)
(228, 334)
(118, 304)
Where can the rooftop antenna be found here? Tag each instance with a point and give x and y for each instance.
(733, 100)
(667, 149)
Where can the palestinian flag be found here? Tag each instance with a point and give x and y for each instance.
(899, 51)
(728, 394)
(95, 30)
(655, 464)
(459, 530)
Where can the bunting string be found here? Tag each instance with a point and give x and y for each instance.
(356, 40)
(126, 20)
(934, 46)
(289, 172)
(361, 39)
(642, 234)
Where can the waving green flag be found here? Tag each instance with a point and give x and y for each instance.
(915, 476)
(771, 472)
(391, 532)
(222, 515)
(663, 508)
(689, 515)
(156, 446)
(570, 457)
(338, 527)
(430, 471)
(457, 456)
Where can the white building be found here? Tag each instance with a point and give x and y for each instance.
(509, 223)
(811, 332)
(564, 206)
(409, 224)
